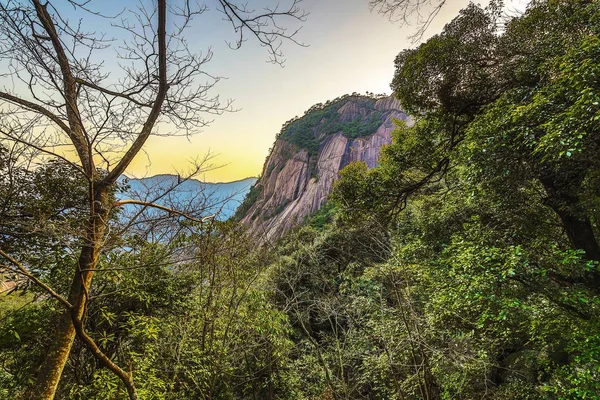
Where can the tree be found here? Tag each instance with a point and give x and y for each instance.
(403, 12)
(59, 94)
(494, 201)
(472, 81)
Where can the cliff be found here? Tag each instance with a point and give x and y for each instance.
(308, 155)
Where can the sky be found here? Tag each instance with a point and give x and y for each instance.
(348, 49)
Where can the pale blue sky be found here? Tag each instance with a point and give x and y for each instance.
(349, 50)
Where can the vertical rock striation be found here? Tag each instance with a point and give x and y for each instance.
(295, 183)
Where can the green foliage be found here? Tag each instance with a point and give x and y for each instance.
(190, 317)
(310, 277)
(359, 127)
(41, 207)
(477, 278)
(23, 339)
(321, 120)
(462, 267)
(253, 194)
(323, 216)
(494, 264)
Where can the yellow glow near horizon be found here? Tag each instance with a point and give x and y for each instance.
(350, 50)
(220, 162)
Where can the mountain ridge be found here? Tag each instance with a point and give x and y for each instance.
(191, 179)
(305, 161)
(221, 198)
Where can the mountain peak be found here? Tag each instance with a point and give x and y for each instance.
(307, 156)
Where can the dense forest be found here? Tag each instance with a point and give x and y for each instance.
(465, 266)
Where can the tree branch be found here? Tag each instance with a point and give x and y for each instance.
(36, 108)
(167, 209)
(126, 377)
(112, 92)
(42, 150)
(30, 276)
(70, 91)
(156, 107)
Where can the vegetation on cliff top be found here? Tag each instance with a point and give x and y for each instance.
(322, 119)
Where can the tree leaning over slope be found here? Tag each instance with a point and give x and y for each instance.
(64, 96)
(495, 196)
(522, 102)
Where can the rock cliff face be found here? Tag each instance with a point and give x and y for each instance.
(297, 179)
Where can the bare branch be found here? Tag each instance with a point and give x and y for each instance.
(264, 25)
(114, 93)
(402, 11)
(163, 208)
(156, 107)
(19, 140)
(23, 271)
(36, 108)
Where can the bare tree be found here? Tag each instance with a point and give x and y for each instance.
(58, 97)
(409, 12)
(422, 13)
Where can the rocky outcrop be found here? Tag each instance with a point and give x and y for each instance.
(295, 184)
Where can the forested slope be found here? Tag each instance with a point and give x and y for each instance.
(464, 266)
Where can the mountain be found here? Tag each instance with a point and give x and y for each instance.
(307, 156)
(221, 198)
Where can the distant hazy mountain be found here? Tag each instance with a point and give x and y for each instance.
(221, 198)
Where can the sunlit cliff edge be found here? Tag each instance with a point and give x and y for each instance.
(307, 156)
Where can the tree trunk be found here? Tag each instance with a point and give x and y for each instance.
(563, 199)
(580, 232)
(54, 363)
(51, 371)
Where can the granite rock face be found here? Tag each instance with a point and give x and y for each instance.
(295, 184)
